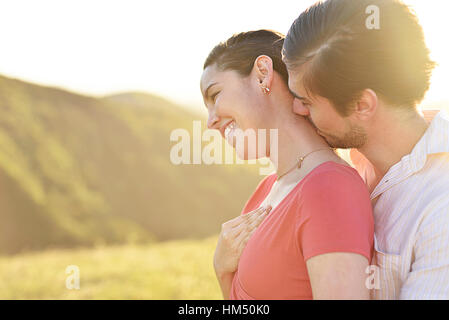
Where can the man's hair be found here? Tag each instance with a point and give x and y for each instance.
(239, 52)
(341, 56)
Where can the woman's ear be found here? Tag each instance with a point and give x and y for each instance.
(263, 71)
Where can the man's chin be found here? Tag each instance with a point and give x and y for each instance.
(331, 141)
(322, 134)
(341, 144)
(353, 139)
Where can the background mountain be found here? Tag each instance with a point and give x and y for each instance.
(78, 171)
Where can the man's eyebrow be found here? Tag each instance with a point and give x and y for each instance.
(296, 96)
(206, 91)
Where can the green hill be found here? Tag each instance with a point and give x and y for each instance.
(79, 171)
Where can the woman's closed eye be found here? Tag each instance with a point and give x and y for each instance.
(214, 96)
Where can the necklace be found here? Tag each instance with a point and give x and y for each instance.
(299, 163)
(268, 200)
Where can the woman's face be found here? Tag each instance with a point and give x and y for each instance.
(235, 102)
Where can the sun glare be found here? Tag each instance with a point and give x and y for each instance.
(104, 47)
(433, 15)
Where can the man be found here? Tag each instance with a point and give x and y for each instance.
(360, 83)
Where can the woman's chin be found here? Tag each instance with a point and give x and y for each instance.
(246, 148)
(245, 158)
(247, 155)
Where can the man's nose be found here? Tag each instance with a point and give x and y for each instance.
(212, 121)
(300, 109)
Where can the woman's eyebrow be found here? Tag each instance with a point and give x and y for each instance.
(206, 91)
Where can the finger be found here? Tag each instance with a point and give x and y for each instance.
(230, 234)
(244, 218)
(254, 224)
(249, 225)
(248, 236)
(258, 213)
(244, 241)
(242, 228)
(257, 219)
(245, 229)
(241, 238)
(242, 246)
(262, 209)
(234, 222)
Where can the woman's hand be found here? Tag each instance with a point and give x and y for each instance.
(234, 235)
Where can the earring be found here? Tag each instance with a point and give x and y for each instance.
(266, 90)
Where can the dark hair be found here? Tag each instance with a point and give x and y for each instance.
(239, 52)
(342, 56)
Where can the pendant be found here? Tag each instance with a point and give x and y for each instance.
(300, 162)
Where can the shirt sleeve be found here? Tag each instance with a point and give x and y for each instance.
(337, 215)
(429, 275)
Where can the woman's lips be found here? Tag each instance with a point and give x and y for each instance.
(225, 127)
(230, 132)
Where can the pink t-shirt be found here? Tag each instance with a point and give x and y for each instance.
(327, 211)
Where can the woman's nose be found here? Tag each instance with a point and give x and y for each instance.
(212, 121)
(300, 109)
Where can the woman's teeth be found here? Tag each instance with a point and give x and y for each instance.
(229, 129)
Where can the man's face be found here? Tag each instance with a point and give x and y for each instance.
(339, 132)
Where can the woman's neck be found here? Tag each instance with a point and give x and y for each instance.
(297, 138)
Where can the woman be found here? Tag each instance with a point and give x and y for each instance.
(316, 242)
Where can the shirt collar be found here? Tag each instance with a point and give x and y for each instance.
(435, 140)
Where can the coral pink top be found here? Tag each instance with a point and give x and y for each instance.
(327, 211)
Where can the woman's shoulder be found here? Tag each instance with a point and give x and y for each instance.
(336, 213)
(334, 175)
(335, 189)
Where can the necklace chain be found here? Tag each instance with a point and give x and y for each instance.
(299, 163)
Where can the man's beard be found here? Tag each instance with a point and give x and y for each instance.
(354, 138)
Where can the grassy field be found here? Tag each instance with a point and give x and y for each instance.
(170, 270)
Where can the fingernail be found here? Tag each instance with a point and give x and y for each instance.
(269, 209)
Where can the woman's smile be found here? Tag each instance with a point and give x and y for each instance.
(229, 131)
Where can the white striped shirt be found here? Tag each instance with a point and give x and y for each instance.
(412, 220)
